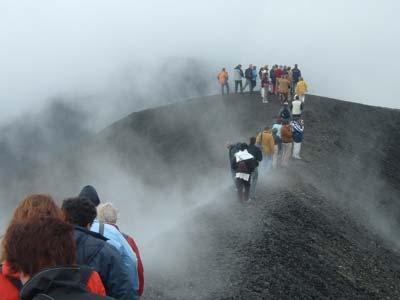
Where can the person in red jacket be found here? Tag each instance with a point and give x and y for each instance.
(34, 206)
(108, 214)
(50, 270)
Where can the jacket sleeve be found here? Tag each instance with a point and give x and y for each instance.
(271, 143)
(140, 267)
(115, 275)
(234, 164)
(258, 139)
(259, 155)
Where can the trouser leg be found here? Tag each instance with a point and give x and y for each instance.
(275, 157)
(253, 183)
(241, 86)
(296, 150)
(236, 86)
(222, 89)
(227, 88)
(239, 188)
(246, 185)
(285, 154)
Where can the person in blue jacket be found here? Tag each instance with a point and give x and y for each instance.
(94, 251)
(298, 133)
(254, 77)
(114, 237)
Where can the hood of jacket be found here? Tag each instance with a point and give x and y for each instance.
(67, 278)
(243, 155)
(90, 193)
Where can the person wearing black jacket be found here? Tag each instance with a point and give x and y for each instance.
(233, 149)
(248, 74)
(243, 164)
(272, 75)
(256, 152)
(296, 74)
(93, 250)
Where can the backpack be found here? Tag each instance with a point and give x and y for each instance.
(285, 114)
(84, 271)
(242, 167)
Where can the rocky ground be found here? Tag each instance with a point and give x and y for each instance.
(326, 228)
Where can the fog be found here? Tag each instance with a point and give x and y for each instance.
(346, 49)
(70, 68)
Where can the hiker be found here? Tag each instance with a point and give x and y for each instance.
(284, 113)
(248, 74)
(237, 76)
(296, 74)
(257, 154)
(94, 251)
(114, 237)
(243, 165)
(272, 75)
(264, 84)
(298, 129)
(278, 72)
(254, 77)
(296, 107)
(223, 81)
(290, 78)
(301, 89)
(33, 207)
(283, 88)
(233, 149)
(108, 214)
(287, 139)
(46, 261)
(266, 143)
(277, 146)
(278, 126)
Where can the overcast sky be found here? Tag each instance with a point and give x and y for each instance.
(346, 49)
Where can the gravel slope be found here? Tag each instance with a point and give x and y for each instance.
(327, 228)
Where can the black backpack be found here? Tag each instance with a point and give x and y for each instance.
(84, 271)
(285, 114)
(242, 167)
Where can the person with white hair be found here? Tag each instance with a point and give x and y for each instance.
(108, 214)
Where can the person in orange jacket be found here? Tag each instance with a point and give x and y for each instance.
(223, 81)
(266, 141)
(34, 206)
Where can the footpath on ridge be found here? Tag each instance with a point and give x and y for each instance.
(306, 236)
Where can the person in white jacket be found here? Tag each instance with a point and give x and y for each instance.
(296, 107)
(237, 77)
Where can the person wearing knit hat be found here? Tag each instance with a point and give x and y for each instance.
(90, 193)
(115, 238)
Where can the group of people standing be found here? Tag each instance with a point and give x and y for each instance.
(284, 81)
(270, 149)
(75, 251)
